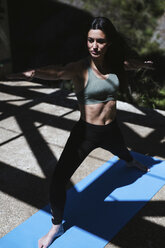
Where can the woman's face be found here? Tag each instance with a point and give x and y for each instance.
(97, 43)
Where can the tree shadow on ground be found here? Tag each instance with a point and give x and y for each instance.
(28, 51)
(26, 115)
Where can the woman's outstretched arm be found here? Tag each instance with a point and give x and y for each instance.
(134, 64)
(52, 72)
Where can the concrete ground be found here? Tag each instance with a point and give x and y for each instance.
(35, 121)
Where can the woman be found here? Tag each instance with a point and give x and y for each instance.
(96, 80)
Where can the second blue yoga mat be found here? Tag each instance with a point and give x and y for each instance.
(97, 207)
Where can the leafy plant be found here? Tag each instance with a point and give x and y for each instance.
(135, 19)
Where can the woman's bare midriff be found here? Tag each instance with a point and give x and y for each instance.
(98, 114)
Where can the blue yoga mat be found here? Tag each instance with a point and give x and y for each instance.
(97, 207)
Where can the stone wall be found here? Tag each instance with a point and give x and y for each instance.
(5, 54)
(44, 32)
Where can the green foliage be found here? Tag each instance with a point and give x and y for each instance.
(156, 101)
(157, 7)
(136, 19)
(146, 91)
(159, 101)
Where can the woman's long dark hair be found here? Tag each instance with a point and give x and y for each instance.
(116, 52)
(106, 26)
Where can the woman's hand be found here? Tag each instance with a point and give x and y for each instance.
(134, 64)
(148, 65)
(27, 75)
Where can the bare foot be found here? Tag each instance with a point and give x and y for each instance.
(138, 165)
(54, 232)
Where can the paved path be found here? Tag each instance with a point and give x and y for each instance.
(35, 121)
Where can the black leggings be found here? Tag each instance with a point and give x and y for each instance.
(84, 138)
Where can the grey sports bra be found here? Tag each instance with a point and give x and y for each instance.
(98, 90)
